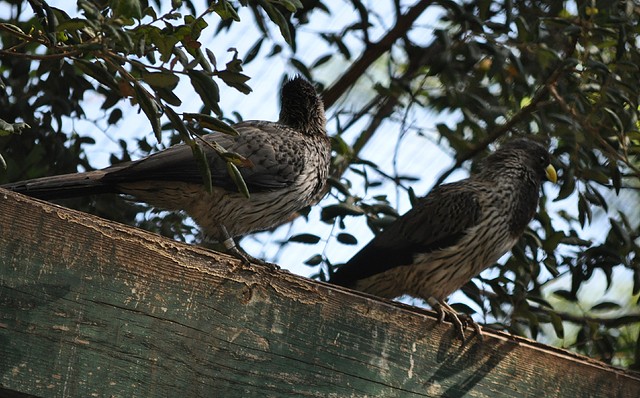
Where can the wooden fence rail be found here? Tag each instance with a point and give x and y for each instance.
(90, 307)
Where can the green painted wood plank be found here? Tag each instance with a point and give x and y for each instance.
(93, 308)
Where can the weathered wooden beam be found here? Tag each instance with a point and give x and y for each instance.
(90, 307)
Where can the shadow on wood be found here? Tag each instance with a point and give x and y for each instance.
(91, 307)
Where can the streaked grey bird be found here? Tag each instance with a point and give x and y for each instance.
(455, 232)
(289, 164)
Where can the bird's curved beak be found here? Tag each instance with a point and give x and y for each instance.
(552, 176)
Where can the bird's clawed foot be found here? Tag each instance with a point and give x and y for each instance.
(245, 257)
(236, 251)
(459, 321)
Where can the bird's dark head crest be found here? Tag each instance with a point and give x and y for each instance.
(526, 152)
(301, 106)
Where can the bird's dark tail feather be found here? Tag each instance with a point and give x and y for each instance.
(63, 186)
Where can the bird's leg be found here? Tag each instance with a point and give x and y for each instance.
(249, 258)
(445, 311)
(235, 250)
(460, 321)
(474, 325)
(230, 245)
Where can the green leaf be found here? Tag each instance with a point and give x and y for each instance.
(165, 42)
(565, 294)
(340, 210)
(550, 266)
(314, 260)
(207, 89)
(279, 19)
(72, 24)
(211, 123)
(197, 25)
(211, 144)
(305, 238)
(254, 50)
(290, 5)
(98, 71)
(12, 28)
(196, 149)
(302, 68)
(115, 116)
(203, 166)
(11, 128)
(382, 208)
(178, 124)
(237, 179)
(91, 11)
(212, 58)
(616, 119)
(595, 175)
(606, 306)
(568, 185)
(378, 223)
(237, 159)
(538, 300)
(463, 308)
(347, 239)
(322, 60)
(121, 37)
(150, 109)
(161, 79)
(584, 210)
(224, 10)
(558, 327)
(236, 80)
(456, 140)
(342, 187)
(126, 8)
(202, 61)
(168, 96)
(576, 241)
(621, 234)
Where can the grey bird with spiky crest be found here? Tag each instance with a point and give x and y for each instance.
(455, 232)
(288, 168)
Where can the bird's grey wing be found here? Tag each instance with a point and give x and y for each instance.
(268, 169)
(274, 152)
(436, 221)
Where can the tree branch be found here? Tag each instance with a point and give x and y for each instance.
(373, 52)
(583, 320)
(386, 104)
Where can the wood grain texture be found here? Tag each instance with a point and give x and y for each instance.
(93, 308)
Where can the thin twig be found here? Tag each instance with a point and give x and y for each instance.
(373, 52)
(585, 320)
(40, 57)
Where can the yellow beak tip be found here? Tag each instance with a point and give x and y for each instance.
(551, 174)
